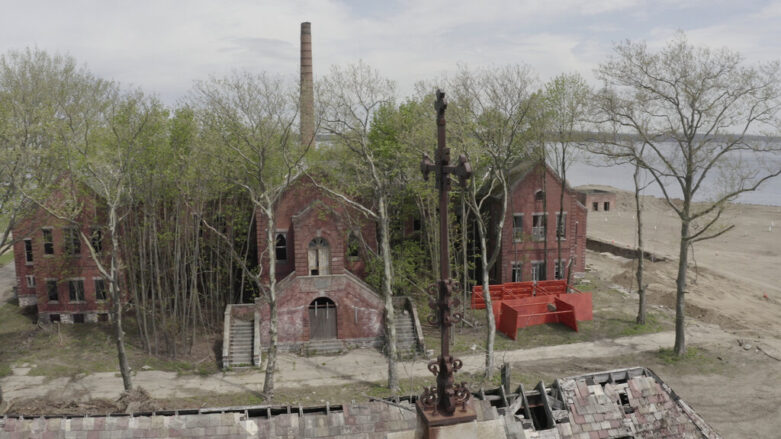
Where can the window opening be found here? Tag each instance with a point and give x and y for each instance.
(517, 227)
(416, 225)
(353, 247)
(51, 290)
(28, 250)
(54, 317)
(281, 246)
(100, 289)
(561, 225)
(606, 206)
(539, 195)
(30, 281)
(48, 242)
(538, 226)
(76, 290)
(72, 242)
(319, 257)
(78, 318)
(96, 239)
(558, 272)
(538, 271)
(595, 206)
(517, 272)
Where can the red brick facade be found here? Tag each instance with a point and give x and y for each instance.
(43, 260)
(320, 263)
(523, 247)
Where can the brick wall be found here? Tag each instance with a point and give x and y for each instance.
(526, 250)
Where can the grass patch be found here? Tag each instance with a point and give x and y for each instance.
(5, 370)
(692, 354)
(6, 258)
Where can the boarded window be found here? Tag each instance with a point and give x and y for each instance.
(319, 256)
(280, 245)
(51, 290)
(76, 290)
(28, 250)
(48, 242)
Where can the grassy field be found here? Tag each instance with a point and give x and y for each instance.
(69, 350)
(6, 258)
(614, 316)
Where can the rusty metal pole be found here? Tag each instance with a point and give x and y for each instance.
(438, 404)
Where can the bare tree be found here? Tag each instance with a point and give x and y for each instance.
(248, 120)
(695, 110)
(492, 112)
(567, 105)
(349, 98)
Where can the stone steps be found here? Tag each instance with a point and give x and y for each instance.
(242, 337)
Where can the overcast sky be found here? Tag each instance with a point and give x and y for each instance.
(163, 46)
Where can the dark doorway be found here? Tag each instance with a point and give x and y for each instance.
(322, 319)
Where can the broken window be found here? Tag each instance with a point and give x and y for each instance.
(538, 271)
(606, 206)
(538, 226)
(595, 206)
(28, 250)
(48, 242)
(518, 227)
(100, 289)
(353, 247)
(517, 272)
(280, 246)
(561, 225)
(76, 290)
(96, 239)
(558, 271)
(51, 290)
(539, 195)
(72, 243)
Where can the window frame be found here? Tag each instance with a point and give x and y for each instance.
(561, 226)
(95, 281)
(74, 292)
(28, 251)
(517, 231)
(48, 245)
(277, 247)
(535, 229)
(536, 271)
(48, 283)
(71, 241)
(30, 279)
(516, 269)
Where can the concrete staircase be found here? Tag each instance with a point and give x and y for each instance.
(406, 340)
(241, 342)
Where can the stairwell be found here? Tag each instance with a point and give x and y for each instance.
(241, 343)
(406, 340)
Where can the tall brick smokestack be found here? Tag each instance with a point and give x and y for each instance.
(307, 91)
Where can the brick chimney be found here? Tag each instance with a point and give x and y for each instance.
(307, 103)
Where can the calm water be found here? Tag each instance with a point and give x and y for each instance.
(591, 169)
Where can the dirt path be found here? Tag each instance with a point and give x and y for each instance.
(357, 366)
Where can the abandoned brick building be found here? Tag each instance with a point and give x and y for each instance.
(531, 218)
(54, 269)
(597, 199)
(323, 304)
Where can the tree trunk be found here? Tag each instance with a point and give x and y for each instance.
(116, 296)
(680, 335)
(560, 219)
(641, 310)
(489, 310)
(387, 290)
(271, 357)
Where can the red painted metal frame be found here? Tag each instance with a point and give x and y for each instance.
(520, 304)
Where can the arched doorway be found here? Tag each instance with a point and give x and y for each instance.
(319, 257)
(322, 319)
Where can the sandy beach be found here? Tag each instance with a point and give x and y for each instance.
(734, 279)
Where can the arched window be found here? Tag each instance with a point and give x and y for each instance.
(280, 246)
(539, 195)
(319, 257)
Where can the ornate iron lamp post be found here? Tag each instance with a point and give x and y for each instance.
(447, 403)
